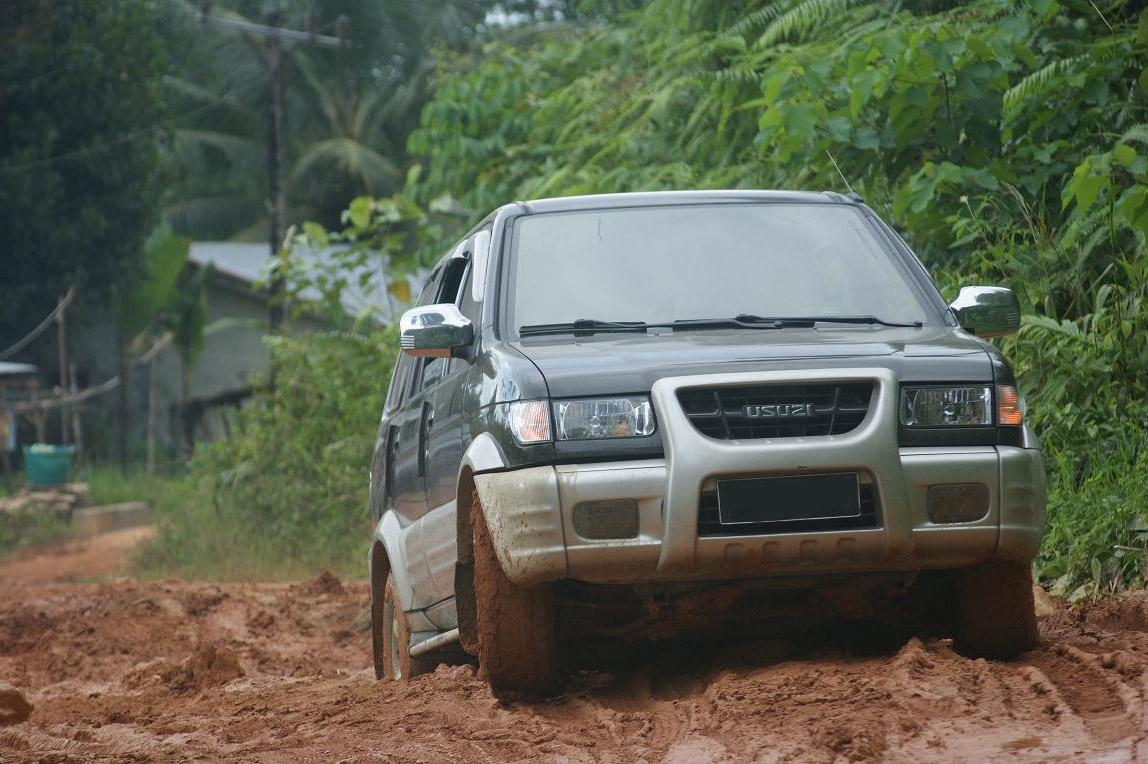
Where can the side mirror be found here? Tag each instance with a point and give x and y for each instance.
(987, 311)
(434, 331)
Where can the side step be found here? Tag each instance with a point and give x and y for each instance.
(440, 640)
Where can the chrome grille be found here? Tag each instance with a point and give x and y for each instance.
(777, 411)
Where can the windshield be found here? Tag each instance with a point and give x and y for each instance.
(677, 263)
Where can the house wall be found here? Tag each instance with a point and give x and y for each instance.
(233, 353)
(231, 356)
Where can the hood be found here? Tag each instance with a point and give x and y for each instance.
(604, 364)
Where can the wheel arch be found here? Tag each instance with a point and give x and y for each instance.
(483, 455)
(386, 556)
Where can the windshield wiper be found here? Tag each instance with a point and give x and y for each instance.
(588, 326)
(584, 326)
(740, 321)
(750, 321)
(811, 320)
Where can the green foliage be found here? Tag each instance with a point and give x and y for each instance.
(1007, 141)
(81, 124)
(25, 530)
(165, 256)
(1097, 520)
(347, 111)
(287, 494)
(387, 238)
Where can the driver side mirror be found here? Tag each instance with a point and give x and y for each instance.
(434, 331)
(987, 311)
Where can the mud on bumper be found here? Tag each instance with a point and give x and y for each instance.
(530, 512)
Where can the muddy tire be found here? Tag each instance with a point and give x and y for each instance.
(517, 642)
(996, 617)
(391, 638)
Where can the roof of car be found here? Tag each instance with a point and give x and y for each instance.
(656, 198)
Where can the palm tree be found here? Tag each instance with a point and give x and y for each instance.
(348, 112)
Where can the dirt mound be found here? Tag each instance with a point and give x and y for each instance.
(14, 706)
(178, 671)
(209, 666)
(324, 583)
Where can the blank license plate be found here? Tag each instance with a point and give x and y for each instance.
(788, 499)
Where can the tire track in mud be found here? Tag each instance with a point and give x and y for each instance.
(270, 672)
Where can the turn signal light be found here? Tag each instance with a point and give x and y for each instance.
(1010, 407)
(530, 421)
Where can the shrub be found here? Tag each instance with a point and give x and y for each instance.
(287, 494)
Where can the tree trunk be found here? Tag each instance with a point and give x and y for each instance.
(124, 402)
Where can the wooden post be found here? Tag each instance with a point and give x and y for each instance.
(77, 430)
(152, 402)
(62, 341)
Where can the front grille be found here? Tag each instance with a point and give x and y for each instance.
(783, 411)
(709, 523)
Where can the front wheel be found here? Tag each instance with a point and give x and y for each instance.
(996, 617)
(391, 637)
(517, 641)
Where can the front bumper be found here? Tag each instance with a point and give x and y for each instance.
(529, 511)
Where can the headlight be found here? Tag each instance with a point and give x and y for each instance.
(949, 405)
(603, 418)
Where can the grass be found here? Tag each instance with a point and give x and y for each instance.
(1096, 542)
(24, 530)
(201, 538)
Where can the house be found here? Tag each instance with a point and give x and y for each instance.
(234, 353)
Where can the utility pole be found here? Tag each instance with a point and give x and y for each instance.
(272, 57)
(274, 61)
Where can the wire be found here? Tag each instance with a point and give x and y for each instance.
(23, 342)
(99, 146)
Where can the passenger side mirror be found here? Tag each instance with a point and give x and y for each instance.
(987, 311)
(434, 331)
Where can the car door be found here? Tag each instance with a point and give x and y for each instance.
(444, 446)
(408, 490)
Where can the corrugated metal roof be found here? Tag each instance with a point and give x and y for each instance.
(246, 263)
(8, 369)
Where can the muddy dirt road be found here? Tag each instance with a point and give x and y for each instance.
(175, 671)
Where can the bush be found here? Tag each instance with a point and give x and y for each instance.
(287, 495)
(1096, 538)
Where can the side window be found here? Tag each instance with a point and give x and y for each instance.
(467, 305)
(399, 377)
(452, 280)
(441, 287)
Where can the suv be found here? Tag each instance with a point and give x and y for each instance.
(612, 412)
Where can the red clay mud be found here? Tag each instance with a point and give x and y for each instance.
(176, 671)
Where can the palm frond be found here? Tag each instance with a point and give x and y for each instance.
(801, 19)
(214, 217)
(348, 158)
(1039, 80)
(756, 20)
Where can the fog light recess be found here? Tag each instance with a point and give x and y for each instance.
(959, 503)
(612, 519)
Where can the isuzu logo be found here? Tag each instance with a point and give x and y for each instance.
(778, 410)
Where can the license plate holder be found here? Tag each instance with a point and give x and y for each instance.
(789, 499)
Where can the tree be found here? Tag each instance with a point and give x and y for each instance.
(81, 120)
(348, 112)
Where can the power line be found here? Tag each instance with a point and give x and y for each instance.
(126, 137)
(27, 338)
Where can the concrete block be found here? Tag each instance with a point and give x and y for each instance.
(88, 521)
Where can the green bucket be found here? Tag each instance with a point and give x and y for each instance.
(48, 465)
